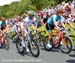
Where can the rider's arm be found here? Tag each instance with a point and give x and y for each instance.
(34, 25)
(55, 22)
(63, 25)
(70, 24)
(62, 22)
(56, 25)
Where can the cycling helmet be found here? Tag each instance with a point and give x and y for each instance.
(30, 13)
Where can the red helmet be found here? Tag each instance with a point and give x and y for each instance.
(3, 18)
(60, 11)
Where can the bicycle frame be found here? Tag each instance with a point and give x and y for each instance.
(60, 37)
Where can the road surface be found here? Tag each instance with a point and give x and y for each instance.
(55, 56)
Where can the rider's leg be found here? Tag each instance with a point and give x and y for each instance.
(3, 39)
(24, 43)
(0, 39)
(57, 31)
(48, 27)
(50, 35)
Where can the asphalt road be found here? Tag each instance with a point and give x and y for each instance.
(55, 56)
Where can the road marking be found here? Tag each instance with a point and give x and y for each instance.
(21, 60)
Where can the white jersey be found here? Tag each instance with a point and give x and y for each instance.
(28, 21)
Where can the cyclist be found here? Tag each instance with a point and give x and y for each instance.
(3, 26)
(30, 20)
(69, 20)
(53, 22)
(19, 27)
(22, 27)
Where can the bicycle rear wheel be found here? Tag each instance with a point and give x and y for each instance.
(66, 46)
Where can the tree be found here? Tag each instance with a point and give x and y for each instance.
(39, 4)
(17, 8)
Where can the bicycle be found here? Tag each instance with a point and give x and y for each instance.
(30, 42)
(5, 44)
(63, 41)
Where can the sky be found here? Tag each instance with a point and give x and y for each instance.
(3, 2)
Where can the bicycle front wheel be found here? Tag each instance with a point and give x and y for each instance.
(66, 45)
(48, 45)
(34, 48)
(6, 45)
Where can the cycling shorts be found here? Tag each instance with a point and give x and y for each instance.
(49, 27)
(3, 27)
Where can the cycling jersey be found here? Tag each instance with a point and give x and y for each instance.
(70, 19)
(28, 22)
(50, 23)
(3, 24)
(55, 18)
(18, 27)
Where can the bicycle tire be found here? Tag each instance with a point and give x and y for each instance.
(69, 48)
(19, 44)
(72, 36)
(6, 45)
(30, 48)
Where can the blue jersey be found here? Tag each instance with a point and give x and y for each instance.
(3, 24)
(55, 18)
(6, 22)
